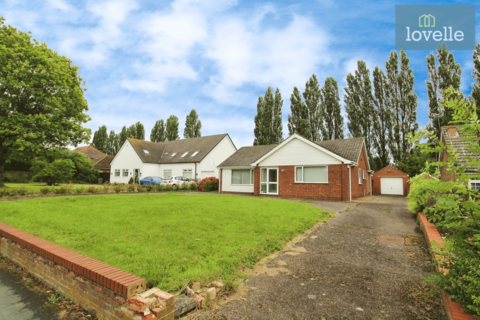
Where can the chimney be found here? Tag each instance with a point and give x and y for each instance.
(452, 131)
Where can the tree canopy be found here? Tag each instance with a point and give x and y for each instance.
(192, 126)
(41, 98)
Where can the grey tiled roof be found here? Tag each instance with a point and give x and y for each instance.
(349, 149)
(461, 146)
(172, 151)
(245, 156)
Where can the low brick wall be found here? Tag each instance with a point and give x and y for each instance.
(105, 291)
(454, 309)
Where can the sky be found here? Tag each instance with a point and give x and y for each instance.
(146, 60)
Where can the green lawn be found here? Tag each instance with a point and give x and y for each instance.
(167, 238)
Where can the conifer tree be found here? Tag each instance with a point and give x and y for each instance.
(475, 94)
(111, 148)
(268, 121)
(132, 132)
(359, 105)
(402, 102)
(123, 135)
(192, 126)
(442, 76)
(158, 132)
(171, 131)
(100, 139)
(298, 119)
(330, 101)
(382, 120)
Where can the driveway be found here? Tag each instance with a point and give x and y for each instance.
(365, 263)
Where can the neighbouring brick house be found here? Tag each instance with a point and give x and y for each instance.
(300, 168)
(451, 137)
(390, 181)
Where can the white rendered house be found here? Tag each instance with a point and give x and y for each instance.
(192, 158)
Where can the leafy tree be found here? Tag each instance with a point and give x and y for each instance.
(268, 121)
(297, 120)
(359, 105)
(100, 139)
(316, 114)
(332, 109)
(382, 121)
(475, 94)
(132, 132)
(442, 76)
(402, 101)
(139, 131)
(60, 170)
(171, 131)
(41, 98)
(192, 126)
(113, 144)
(123, 135)
(158, 132)
(414, 162)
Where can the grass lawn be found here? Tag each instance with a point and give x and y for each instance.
(166, 239)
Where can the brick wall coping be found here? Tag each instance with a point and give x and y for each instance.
(454, 309)
(117, 280)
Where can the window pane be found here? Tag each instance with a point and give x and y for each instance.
(251, 176)
(272, 175)
(272, 188)
(263, 188)
(187, 173)
(236, 176)
(315, 174)
(167, 174)
(299, 176)
(245, 176)
(263, 176)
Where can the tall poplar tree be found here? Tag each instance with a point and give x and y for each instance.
(171, 131)
(268, 121)
(382, 120)
(139, 131)
(100, 139)
(192, 126)
(402, 101)
(315, 110)
(359, 105)
(112, 144)
(475, 95)
(442, 76)
(123, 135)
(330, 100)
(158, 132)
(297, 120)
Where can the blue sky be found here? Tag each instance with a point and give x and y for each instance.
(146, 60)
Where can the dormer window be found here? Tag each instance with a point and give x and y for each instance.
(146, 151)
(183, 155)
(195, 153)
(174, 154)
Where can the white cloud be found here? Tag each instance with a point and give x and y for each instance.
(59, 4)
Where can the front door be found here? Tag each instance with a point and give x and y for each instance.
(135, 175)
(269, 181)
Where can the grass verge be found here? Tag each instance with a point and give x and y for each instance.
(167, 239)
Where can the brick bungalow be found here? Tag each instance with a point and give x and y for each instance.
(300, 168)
(452, 138)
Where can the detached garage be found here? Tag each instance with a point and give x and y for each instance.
(390, 181)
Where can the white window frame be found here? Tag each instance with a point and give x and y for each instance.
(165, 176)
(174, 154)
(187, 170)
(195, 153)
(146, 151)
(124, 172)
(268, 182)
(474, 181)
(364, 175)
(359, 175)
(117, 171)
(303, 174)
(252, 179)
(183, 155)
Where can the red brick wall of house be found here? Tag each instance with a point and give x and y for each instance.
(359, 190)
(394, 173)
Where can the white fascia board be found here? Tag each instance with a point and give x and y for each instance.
(310, 143)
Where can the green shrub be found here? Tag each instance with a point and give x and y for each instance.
(159, 187)
(422, 189)
(93, 189)
(56, 171)
(118, 188)
(207, 186)
(131, 188)
(168, 187)
(141, 188)
(80, 190)
(22, 191)
(106, 188)
(150, 187)
(46, 190)
(130, 181)
(2, 192)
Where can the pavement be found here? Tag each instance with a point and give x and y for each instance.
(365, 263)
(19, 303)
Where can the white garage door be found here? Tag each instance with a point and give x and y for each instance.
(206, 174)
(392, 186)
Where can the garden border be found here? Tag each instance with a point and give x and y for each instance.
(454, 309)
(105, 291)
